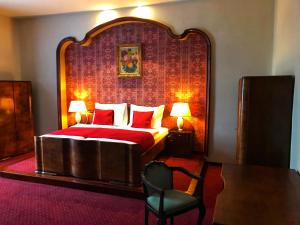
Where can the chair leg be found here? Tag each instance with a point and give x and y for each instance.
(158, 221)
(146, 215)
(163, 221)
(172, 220)
(201, 216)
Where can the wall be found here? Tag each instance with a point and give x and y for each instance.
(9, 64)
(171, 68)
(241, 33)
(286, 60)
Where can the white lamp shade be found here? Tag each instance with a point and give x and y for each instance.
(180, 109)
(77, 106)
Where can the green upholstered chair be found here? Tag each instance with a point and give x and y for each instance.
(164, 201)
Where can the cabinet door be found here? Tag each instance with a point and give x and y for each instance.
(265, 120)
(23, 113)
(180, 143)
(7, 120)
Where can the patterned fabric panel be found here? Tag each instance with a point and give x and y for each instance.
(173, 70)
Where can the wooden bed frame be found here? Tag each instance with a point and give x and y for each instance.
(113, 162)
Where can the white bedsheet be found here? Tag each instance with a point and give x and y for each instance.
(158, 133)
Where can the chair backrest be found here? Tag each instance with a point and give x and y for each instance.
(158, 174)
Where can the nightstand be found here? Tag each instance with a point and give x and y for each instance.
(180, 143)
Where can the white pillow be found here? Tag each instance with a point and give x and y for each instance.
(157, 115)
(120, 112)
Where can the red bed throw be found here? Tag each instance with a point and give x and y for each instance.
(144, 139)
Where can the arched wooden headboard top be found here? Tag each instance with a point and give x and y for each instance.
(175, 68)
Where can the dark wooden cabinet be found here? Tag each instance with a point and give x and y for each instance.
(16, 126)
(265, 120)
(180, 143)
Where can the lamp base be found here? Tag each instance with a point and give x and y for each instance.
(179, 123)
(77, 117)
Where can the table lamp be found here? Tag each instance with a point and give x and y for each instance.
(77, 106)
(180, 109)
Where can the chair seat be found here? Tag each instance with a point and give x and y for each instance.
(174, 202)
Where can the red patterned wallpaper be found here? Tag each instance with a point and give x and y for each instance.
(174, 70)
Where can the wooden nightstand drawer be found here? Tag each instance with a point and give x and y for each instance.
(180, 143)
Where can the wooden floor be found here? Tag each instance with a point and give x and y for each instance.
(84, 184)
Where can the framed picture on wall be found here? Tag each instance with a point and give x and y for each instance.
(129, 60)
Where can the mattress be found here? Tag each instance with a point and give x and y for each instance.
(157, 133)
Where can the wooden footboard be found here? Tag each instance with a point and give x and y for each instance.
(92, 159)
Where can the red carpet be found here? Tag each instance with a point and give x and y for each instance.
(24, 166)
(213, 185)
(15, 159)
(181, 181)
(37, 204)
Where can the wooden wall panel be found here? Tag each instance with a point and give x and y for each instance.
(23, 114)
(7, 120)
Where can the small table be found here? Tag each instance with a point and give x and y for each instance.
(256, 195)
(180, 143)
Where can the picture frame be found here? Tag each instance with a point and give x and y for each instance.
(129, 61)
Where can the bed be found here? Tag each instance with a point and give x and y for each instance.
(106, 159)
(175, 68)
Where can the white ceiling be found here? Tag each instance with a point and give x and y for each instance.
(19, 8)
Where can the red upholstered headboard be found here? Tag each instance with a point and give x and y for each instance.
(175, 68)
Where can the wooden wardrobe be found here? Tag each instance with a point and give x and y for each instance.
(16, 125)
(265, 120)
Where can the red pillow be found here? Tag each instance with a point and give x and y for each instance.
(103, 117)
(142, 119)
